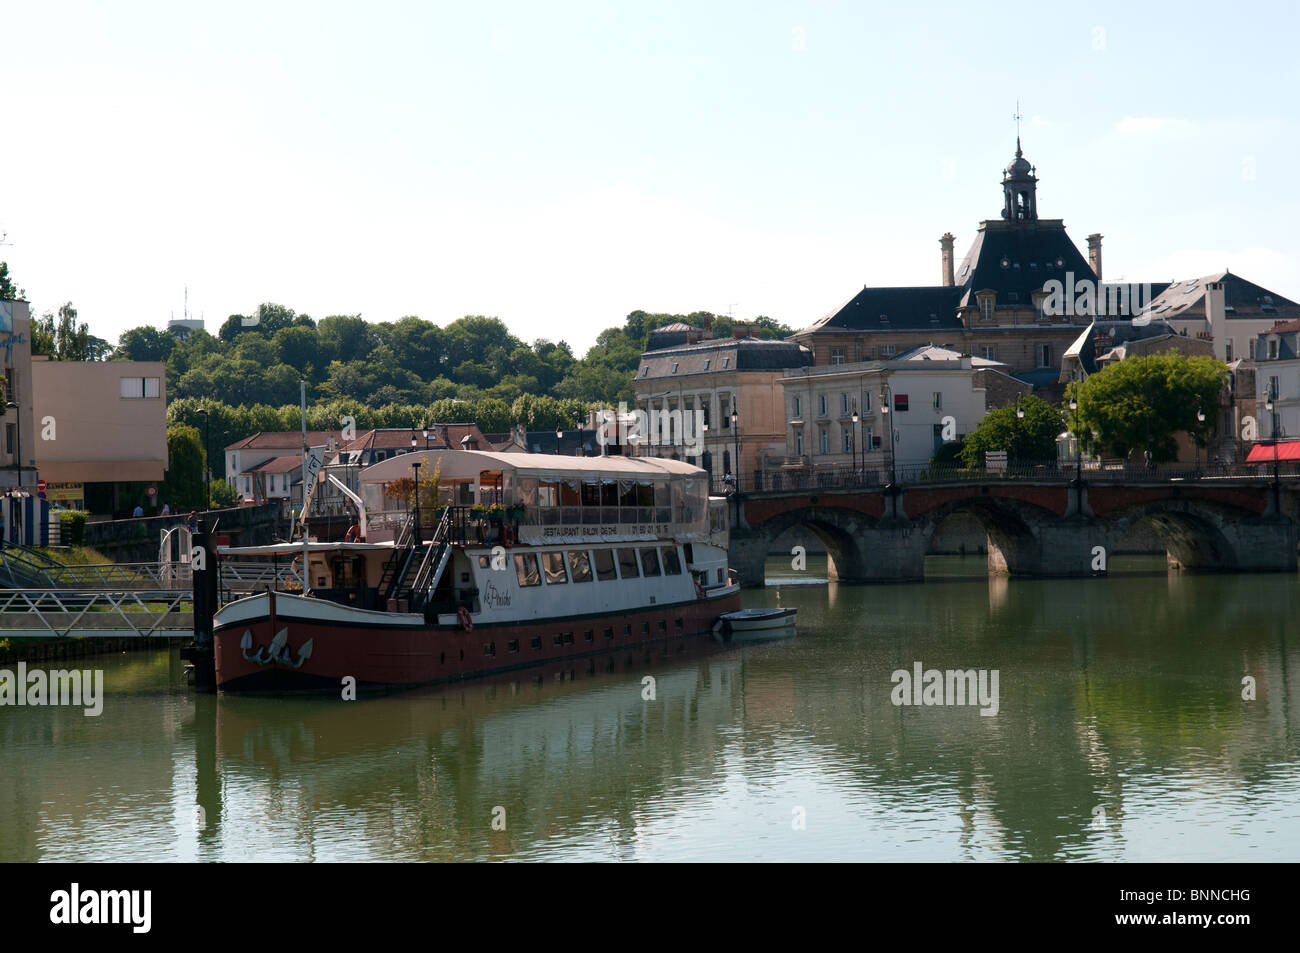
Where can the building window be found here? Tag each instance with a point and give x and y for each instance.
(1272, 349)
(821, 405)
(847, 439)
(674, 370)
(1227, 351)
(726, 363)
(866, 402)
(986, 308)
(938, 400)
(798, 408)
(887, 352)
(844, 405)
(645, 370)
(989, 352)
(1044, 355)
(798, 442)
(140, 387)
(724, 407)
(826, 440)
(837, 355)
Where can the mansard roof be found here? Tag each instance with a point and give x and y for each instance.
(1242, 299)
(1015, 259)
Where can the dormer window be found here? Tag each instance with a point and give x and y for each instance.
(674, 370)
(707, 363)
(645, 370)
(726, 362)
(986, 307)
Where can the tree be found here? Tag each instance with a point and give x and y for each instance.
(65, 339)
(183, 484)
(1027, 440)
(145, 344)
(8, 290)
(1140, 403)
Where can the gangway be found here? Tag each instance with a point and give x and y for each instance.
(95, 613)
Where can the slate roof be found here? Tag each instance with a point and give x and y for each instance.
(1034, 253)
(1242, 299)
(738, 354)
(283, 439)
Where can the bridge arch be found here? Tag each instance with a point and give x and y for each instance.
(1192, 531)
(1008, 524)
(843, 531)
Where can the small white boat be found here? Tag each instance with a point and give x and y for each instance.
(754, 624)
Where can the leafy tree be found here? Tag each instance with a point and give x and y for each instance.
(183, 483)
(65, 339)
(1027, 440)
(8, 290)
(1140, 403)
(145, 344)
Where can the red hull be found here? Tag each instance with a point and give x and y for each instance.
(387, 656)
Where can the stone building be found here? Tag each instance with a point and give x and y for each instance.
(718, 378)
(1224, 309)
(996, 305)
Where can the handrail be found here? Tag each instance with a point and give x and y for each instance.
(436, 545)
(63, 613)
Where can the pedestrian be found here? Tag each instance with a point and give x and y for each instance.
(193, 521)
(138, 511)
(167, 509)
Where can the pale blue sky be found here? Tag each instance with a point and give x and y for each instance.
(559, 167)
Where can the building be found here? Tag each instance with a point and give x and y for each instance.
(245, 458)
(102, 431)
(884, 416)
(998, 305)
(582, 442)
(1277, 377)
(19, 512)
(718, 397)
(1224, 309)
(1105, 342)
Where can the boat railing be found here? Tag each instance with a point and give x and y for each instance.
(424, 577)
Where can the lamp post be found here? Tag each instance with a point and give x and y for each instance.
(886, 400)
(559, 435)
(1078, 448)
(1019, 437)
(735, 431)
(207, 461)
(416, 493)
(1200, 419)
(1268, 405)
(853, 438)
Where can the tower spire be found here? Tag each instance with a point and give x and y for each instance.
(1017, 117)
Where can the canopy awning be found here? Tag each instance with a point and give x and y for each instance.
(1264, 452)
(465, 466)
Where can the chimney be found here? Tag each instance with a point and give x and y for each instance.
(1215, 314)
(739, 330)
(945, 243)
(1094, 253)
(708, 327)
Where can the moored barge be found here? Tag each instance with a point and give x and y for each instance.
(484, 563)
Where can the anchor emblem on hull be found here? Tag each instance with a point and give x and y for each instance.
(278, 652)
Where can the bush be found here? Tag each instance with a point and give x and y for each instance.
(75, 521)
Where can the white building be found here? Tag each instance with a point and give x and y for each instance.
(922, 400)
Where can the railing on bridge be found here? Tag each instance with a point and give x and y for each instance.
(843, 477)
(94, 613)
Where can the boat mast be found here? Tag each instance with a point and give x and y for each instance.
(306, 544)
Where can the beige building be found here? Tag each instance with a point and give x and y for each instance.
(19, 442)
(710, 380)
(1224, 309)
(99, 424)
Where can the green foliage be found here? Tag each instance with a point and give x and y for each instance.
(75, 520)
(949, 455)
(183, 483)
(223, 494)
(1140, 403)
(64, 339)
(8, 290)
(1027, 440)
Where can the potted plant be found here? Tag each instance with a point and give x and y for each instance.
(515, 512)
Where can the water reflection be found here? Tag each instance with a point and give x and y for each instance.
(1122, 734)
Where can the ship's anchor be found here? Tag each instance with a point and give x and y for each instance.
(279, 651)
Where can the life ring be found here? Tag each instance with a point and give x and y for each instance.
(463, 614)
(699, 590)
(354, 531)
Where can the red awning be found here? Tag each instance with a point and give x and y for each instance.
(1263, 452)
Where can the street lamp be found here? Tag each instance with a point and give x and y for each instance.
(207, 460)
(416, 493)
(559, 435)
(886, 399)
(1196, 443)
(1268, 405)
(853, 438)
(735, 430)
(1078, 448)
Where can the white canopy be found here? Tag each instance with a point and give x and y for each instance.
(464, 466)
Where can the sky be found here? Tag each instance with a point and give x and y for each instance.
(561, 165)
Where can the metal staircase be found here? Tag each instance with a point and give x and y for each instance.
(396, 567)
(432, 565)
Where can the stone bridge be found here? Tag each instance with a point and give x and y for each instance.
(1035, 527)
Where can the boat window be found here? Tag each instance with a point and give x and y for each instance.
(548, 494)
(553, 566)
(627, 630)
(589, 635)
(590, 493)
(526, 570)
(627, 564)
(672, 565)
(569, 495)
(605, 565)
(609, 493)
(537, 642)
(513, 645)
(484, 562)
(650, 561)
(579, 565)
(609, 632)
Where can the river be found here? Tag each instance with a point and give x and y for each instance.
(1121, 733)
